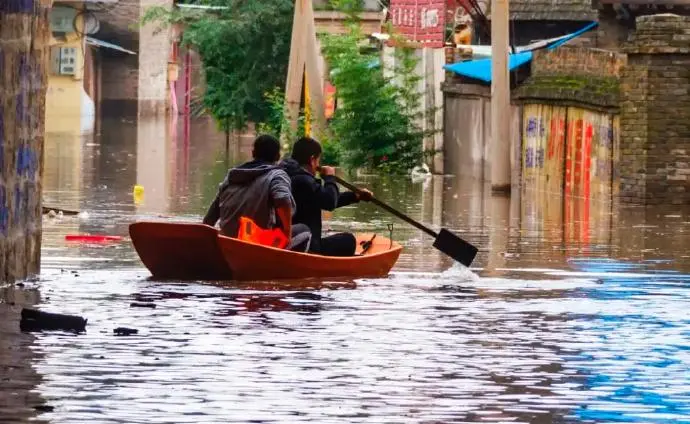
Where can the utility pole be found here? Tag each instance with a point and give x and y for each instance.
(500, 150)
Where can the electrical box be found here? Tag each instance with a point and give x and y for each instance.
(64, 60)
(62, 19)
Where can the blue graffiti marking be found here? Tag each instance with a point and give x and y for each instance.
(540, 157)
(2, 137)
(532, 127)
(17, 200)
(20, 109)
(19, 164)
(529, 157)
(535, 127)
(31, 159)
(4, 214)
(17, 6)
(27, 162)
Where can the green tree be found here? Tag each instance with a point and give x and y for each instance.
(244, 49)
(377, 122)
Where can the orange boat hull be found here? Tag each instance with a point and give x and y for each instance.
(198, 252)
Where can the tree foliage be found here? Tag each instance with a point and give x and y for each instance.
(244, 50)
(378, 119)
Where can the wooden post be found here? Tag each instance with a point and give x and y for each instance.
(304, 54)
(293, 85)
(307, 109)
(500, 97)
(313, 75)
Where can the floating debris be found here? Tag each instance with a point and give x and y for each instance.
(124, 331)
(35, 320)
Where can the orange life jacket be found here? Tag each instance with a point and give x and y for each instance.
(252, 233)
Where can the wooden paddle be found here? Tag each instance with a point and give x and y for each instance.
(446, 242)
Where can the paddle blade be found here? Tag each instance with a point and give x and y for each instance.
(455, 247)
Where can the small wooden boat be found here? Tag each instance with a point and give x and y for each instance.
(184, 251)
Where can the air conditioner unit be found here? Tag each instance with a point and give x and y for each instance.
(62, 19)
(64, 60)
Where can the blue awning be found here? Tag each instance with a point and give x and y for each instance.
(481, 69)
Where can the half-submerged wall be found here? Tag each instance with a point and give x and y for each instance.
(564, 126)
(24, 37)
(570, 123)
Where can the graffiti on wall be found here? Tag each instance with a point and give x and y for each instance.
(568, 161)
(543, 144)
(542, 163)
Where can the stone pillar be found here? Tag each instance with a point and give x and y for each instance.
(24, 50)
(155, 45)
(655, 112)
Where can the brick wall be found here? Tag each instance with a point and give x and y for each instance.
(24, 36)
(655, 112)
(570, 60)
(577, 76)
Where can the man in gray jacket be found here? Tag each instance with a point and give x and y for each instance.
(259, 190)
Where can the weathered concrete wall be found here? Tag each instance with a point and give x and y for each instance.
(24, 52)
(467, 132)
(655, 112)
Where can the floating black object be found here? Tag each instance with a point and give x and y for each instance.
(142, 305)
(124, 331)
(35, 320)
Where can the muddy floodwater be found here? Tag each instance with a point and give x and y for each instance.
(576, 314)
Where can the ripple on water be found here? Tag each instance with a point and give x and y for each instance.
(415, 347)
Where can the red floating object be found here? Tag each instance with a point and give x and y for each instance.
(91, 238)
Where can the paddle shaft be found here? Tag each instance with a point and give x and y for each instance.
(382, 205)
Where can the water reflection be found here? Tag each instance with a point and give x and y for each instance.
(19, 399)
(577, 311)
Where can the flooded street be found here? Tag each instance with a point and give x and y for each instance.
(574, 312)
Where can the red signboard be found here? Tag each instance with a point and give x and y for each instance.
(420, 21)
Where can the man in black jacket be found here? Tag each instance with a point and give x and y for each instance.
(311, 197)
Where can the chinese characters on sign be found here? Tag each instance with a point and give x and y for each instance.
(420, 21)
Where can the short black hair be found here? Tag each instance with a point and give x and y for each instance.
(266, 148)
(304, 149)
